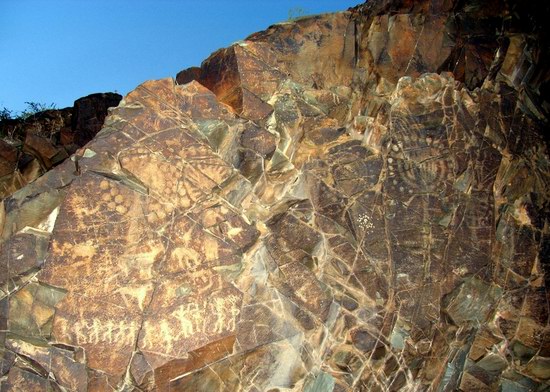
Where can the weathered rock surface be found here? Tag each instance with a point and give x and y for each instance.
(349, 202)
(29, 147)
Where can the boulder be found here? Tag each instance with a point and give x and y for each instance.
(31, 146)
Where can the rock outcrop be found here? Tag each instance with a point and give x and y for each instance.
(354, 201)
(31, 146)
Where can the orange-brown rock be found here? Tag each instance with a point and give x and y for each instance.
(355, 201)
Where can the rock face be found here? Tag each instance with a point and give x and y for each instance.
(349, 202)
(30, 147)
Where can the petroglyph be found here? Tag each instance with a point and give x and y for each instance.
(183, 327)
(364, 221)
(418, 155)
(135, 293)
(98, 331)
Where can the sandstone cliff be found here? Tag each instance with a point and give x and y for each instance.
(354, 201)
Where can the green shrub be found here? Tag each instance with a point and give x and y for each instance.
(5, 114)
(296, 13)
(31, 109)
(35, 107)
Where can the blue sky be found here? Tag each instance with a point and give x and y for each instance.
(57, 51)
